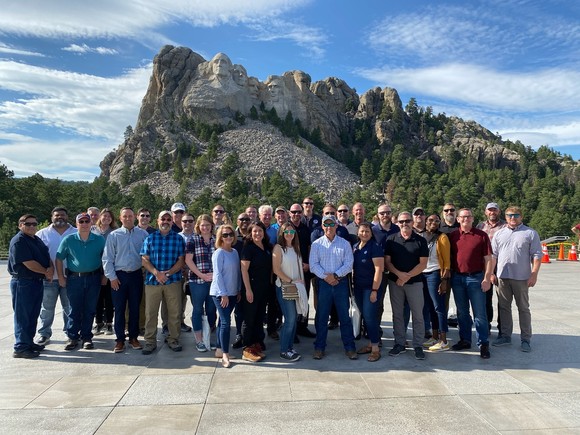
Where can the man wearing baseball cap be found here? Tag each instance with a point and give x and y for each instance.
(491, 226)
(177, 212)
(331, 260)
(82, 252)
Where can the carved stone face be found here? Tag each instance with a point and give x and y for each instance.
(253, 87)
(240, 75)
(276, 89)
(221, 65)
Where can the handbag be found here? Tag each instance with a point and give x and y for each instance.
(290, 291)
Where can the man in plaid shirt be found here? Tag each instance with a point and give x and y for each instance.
(162, 255)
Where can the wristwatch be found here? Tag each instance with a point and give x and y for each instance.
(336, 277)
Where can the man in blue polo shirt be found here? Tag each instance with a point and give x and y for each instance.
(82, 252)
(28, 264)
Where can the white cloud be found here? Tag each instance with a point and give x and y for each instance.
(111, 18)
(539, 91)
(83, 104)
(4, 48)
(74, 159)
(309, 38)
(84, 48)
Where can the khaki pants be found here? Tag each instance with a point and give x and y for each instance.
(172, 295)
(507, 290)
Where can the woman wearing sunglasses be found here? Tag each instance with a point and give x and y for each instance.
(225, 285)
(287, 265)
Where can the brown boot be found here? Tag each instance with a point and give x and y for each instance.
(249, 354)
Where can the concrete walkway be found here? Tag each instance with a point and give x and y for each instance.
(97, 391)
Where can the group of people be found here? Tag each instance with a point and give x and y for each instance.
(263, 268)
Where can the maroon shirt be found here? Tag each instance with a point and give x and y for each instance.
(468, 250)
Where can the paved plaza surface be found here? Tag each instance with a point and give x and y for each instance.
(97, 391)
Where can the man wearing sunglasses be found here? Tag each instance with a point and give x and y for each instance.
(517, 251)
(331, 260)
(52, 236)
(449, 222)
(28, 264)
(406, 255)
(162, 256)
(491, 226)
(82, 253)
(177, 212)
(311, 219)
(144, 220)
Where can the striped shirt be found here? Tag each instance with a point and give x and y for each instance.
(328, 257)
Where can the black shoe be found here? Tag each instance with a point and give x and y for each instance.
(26, 354)
(397, 350)
(165, 330)
(419, 354)
(332, 325)
(37, 347)
(305, 332)
(461, 344)
(484, 351)
(185, 327)
(238, 343)
(71, 344)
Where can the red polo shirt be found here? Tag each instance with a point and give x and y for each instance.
(468, 250)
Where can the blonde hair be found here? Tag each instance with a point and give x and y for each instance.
(219, 240)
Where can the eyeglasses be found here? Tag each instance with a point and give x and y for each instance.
(448, 210)
(382, 213)
(244, 219)
(331, 225)
(434, 220)
(30, 224)
(219, 211)
(419, 213)
(292, 232)
(308, 203)
(166, 220)
(84, 221)
(405, 221)
(513, 215)
(145, 215)
(280, 212)
(178, 212)
(187, 221)
(330, 212)
(296, 211)
(464, 217)
(343, 211)
(226, 235)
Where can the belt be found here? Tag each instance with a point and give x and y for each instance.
(129, 271)
(469, 273)
(79, 274)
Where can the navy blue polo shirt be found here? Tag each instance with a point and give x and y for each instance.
(406, 253)
(363, 267)
(25, 248)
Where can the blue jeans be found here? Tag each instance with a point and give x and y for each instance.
(225, 322)
(339, 294)
(369, 311)
(289, 329)
(83, 293)
(26, 303)
(433, 281)
(466, 289)
(201, 299)
(128, 295)
(51, 293)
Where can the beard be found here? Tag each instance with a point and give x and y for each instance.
(59, 223)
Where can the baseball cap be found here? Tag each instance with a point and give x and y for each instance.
(329, 217)
(82, 215)
(416, 209)
(163, 213)
(177, 206)
(492, 205)
(279, 208)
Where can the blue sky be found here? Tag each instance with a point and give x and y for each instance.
(73, 74)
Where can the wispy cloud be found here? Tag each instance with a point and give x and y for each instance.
(84, 48)
(83, 104)
(311, 39)
(8, 49)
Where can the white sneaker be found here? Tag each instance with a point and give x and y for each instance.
(439, 347)
(429, 342)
